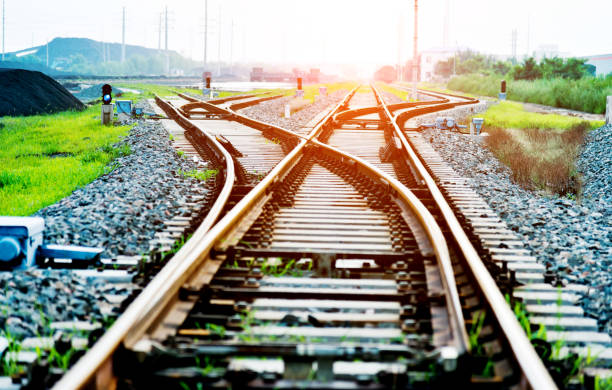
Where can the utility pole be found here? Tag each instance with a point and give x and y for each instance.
(231, 59)
(219, 44)
(167, 55)
(123, 39)
(399, 47)
(455, 59)
(159, 33)
(3, 30)
(205, 30)
(415, 65)
(514, 37)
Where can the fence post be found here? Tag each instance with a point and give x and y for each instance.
(609, 110)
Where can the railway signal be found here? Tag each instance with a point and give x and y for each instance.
(107, 107)
(502, 90)
(107, 96)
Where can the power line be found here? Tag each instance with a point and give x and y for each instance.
(205, 30)
(514, 39)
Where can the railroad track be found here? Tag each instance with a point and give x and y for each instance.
(574, 349)
(343, 267)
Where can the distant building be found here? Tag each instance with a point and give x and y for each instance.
(602, 63)
(430, 57)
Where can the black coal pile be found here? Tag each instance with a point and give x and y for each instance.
(26, 92)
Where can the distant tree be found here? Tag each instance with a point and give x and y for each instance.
(502, 67)
(574, 68)
(530, 70)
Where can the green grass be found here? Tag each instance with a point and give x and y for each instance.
(311, 90)
(512, 115)
(46, 157)
(200, 175)
(587, 94)
(438, 87)
(541, 159)
(400, 93)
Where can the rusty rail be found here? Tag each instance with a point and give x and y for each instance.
(535, 374)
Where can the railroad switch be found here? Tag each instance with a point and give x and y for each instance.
(443, 123)
(21, 246)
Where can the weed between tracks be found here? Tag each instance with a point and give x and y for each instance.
(200, 175)
(566, 369)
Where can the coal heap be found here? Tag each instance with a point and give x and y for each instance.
(26, 92)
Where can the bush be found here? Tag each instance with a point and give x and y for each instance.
(541, 159)
(587, 94)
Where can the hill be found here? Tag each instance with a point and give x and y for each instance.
(88, 57)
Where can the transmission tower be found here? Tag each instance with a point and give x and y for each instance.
(514, 38)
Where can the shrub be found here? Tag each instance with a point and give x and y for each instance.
(587, 94)
(541, 159)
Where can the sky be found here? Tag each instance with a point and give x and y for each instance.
(368, 32)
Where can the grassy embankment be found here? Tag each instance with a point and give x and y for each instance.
(540, 149)
(586, 94)
(44, 158)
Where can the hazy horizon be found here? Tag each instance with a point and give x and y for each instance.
(362, 33)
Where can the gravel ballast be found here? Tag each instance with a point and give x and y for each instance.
(121, 210)
(35, 298)
(272, 111)
(573, 237)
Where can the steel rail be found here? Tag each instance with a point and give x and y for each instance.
(349, 114)
(94, 369)
(429, 224)
(100, 354)
(163, 289)
(437, 240)
(534, 372)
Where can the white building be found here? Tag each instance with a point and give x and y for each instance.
(430, 57)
